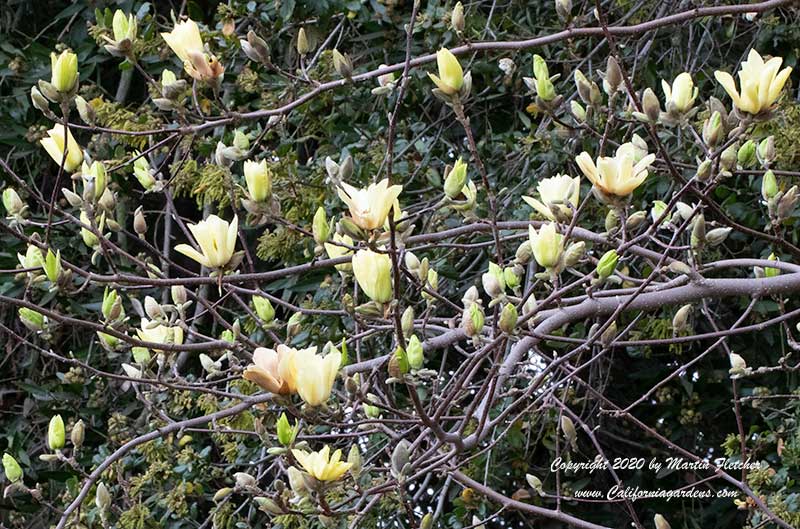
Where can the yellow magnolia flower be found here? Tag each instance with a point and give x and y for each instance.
(334, 250)
(312, 374)
(681, 95)
(373, 272)
(217, 241)
(546, 245)
(64, 71)
(369, 207)
(186, 42)
(157, 333)
(451, 76)
(321, 465)
(259, 180)
(555, 193)
(54, 145)
(269, 368)
(617, 176)
(761, 83)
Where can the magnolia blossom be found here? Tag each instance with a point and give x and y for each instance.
(617, 176)
(64, 71)
(373, 272)
(369, 207)
(54, 144)
(217, 241)
(321, 465)
(555, 193)
(546, 245)
(157, 333)
(259, 180)
(186, 42)
(270, 370)
(312, 374)
(451, 76)
(760, 83)
(681, 95)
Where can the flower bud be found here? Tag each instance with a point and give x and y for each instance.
(564, 9)
(511, 278)
(568, 428)
(222, 493)
(712, 130)
(728, 158)
(32, 320)
(457, 19)
(142, 172)
(651, 105)
(398, 363)
(613, 76)
(635, 220)
(455, 180)
(64, 71)
(407, 321)
(609, 334)
(12, 469)
(717, 236)
(414, 352)
(255, 48)
(139, 222)
(738, 365)
(268, 505)
(766, 151)
(209, 365)
(577, 110)
(681, 318)
(746, 156)
(153, 308)
(698, 238)
(102, 498)
(78, 434)
(607, 264)
(508, 318)
(472, 320)
(401, 456)
(286, 432)
(371, 411)
(320, 227)
(612, 220)
(354, 458)
(56, 434)
(342, 64)
(12, 203)
(302, 42)
(524, 253)
(787, 203)
(661, 522)
(493, 281)
(178, 294)
(39, 101)
(703, 171)
(427, 520)
(574, 253)
(769, 186)
(85, 110)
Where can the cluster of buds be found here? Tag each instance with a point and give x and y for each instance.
(541, 84)
(124, 29)
(173, 91)
(780, 203)
(255, 48)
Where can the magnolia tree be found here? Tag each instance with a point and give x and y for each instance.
(262, 270)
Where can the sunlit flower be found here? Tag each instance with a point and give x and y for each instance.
(269, 368)
(186, 42)
(557, 193)
(312, 374)
(54, 145)
(369, 207)
(217, 241)
(760, 83)
(681, 95)
(451, 76)
(321, 465)
(617, 176)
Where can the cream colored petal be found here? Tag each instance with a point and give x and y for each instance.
(587, 166)
(728, 83)
(538, 206)
(778, 83)
(191, 253)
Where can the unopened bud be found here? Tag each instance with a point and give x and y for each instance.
(613, 76)
(294, 325)
(407, 321)
(472, 320)
(524, 252)
(457, 19)
(609, 334)
(78, 434)
(39, 101)
(302, 42)
(342, 64)
(607, 264)
(255, 48)
(222, 493)
(102, 498)
(766, 151)
(56, 434)
(635, 220)
(320, 227)
(769, 186)
(661, 522)
(568, 428)
(286, 432)
(153, 308)
(746, 156)
(564, 9)
(712, 129)
(12, 469)
(414, 352)
(703, 171)
(139, 222)
(508, 318)
(698, 238)
(577, 110)
(612, 220)
(717, 236)
(651, 105)
(729, 157)
(354, 458)
(574, 253)
(85, 110)
(681, 318)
